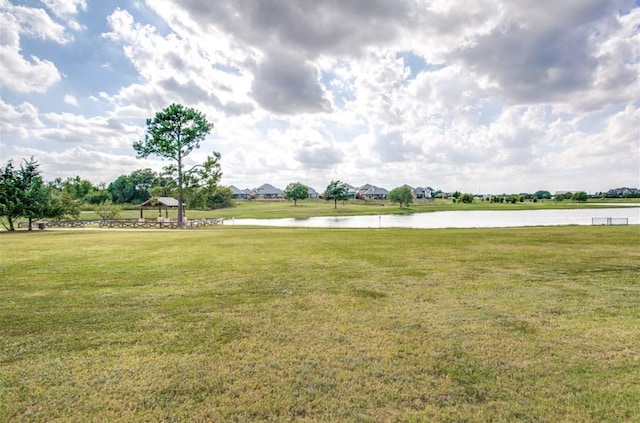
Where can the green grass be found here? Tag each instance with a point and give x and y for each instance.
(318, 325)
(262, 209)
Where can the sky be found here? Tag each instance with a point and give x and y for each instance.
(478, 96)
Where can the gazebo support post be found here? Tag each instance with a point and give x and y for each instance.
(160, 203)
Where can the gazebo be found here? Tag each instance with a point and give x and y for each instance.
(161, 203)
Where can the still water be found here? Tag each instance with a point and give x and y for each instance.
(457, 219)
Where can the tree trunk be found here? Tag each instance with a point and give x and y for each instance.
(180, 207)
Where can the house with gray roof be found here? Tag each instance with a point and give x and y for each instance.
(267, 192)
(623, 192)
(239, 194)
(413, 190)
(351, 190)
(372, 192)
(424, 192)
(312, 192)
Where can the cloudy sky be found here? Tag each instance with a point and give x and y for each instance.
(470, 95)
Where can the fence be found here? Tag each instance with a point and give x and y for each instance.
(40, 224)
(124, 223)
(609, 221)
(159, 223)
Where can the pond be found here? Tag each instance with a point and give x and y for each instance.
(457, 219)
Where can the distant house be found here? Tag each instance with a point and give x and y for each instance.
(413, 190)
(366, 191)
(239, 194)
(312, 192)
(363, 188)
(424, 192)
(352, 191)
(267, 192)
(623, 192)
(357, 192)
(372, 192)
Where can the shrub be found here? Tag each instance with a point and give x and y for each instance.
(108, 211)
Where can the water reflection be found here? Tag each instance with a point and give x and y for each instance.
(457, 219)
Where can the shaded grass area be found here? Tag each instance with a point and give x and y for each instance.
(231, 324)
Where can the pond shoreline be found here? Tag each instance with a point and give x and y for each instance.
(457, 219)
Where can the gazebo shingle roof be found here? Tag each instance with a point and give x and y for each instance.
(160, 201)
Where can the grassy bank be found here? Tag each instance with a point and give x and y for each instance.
(230, 324)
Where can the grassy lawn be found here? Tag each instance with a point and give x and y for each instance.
(321, 325)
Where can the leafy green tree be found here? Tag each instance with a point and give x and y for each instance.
(172, 134)
(466, 198)
(513, 198)
(78, 188)
(123, 190)
(580, 196)
(201, 181)
(108, 211)
(542, 195)
(22, 193)
(142, 180)
(133, 188)
(296, 191)
(336, 191)
(98, 196)
(62, 204)
(35, 194)
(402, 195)
(165, 186)
(220, 198)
